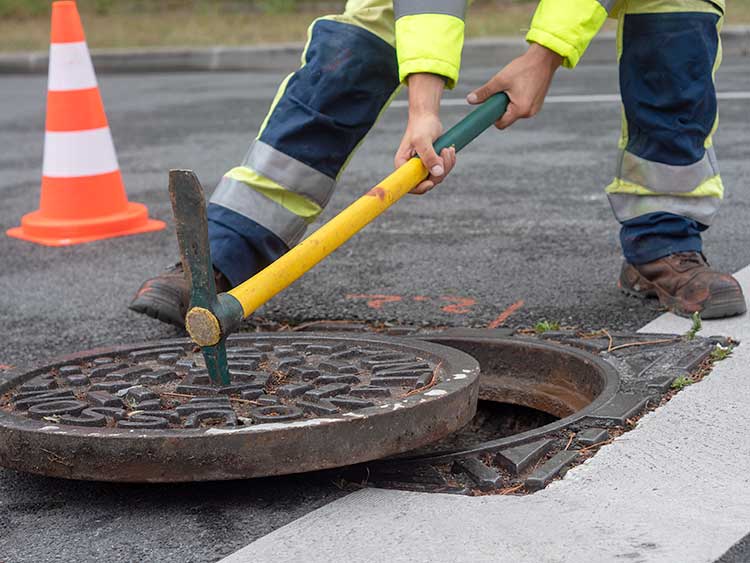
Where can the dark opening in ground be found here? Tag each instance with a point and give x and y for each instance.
(492, 422)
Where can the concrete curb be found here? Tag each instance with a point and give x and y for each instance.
(286, 56)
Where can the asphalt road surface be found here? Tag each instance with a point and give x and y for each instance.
(524, 217)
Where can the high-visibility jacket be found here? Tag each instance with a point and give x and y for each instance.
(429, 37)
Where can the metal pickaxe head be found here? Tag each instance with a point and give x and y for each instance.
(211, 318)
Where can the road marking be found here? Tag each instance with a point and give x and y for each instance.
(576, 99)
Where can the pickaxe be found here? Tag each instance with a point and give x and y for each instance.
(212, 318)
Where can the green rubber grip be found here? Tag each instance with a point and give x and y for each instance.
(471, 126)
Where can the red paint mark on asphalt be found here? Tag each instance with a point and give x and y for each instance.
(502, 317)
(455, 305)
(377, 192)
(5, 367)
(377, 301)
(460, 305)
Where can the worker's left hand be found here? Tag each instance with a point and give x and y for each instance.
(525, 80)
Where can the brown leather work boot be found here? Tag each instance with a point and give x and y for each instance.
(167, 296)
(685, 284)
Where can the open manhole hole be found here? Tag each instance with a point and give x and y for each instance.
(544, 405)
(297, 402)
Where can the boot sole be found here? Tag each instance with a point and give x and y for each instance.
(158, 302)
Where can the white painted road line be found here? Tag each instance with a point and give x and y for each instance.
(675, 488)
(577, 99)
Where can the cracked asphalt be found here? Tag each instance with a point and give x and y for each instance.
(523, 217)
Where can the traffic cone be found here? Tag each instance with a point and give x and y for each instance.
(83, 198)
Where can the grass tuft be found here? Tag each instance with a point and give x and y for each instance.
(681, 382)
(695, 328)
(546, 326)
(721, 352)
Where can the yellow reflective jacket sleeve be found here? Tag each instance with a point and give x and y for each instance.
(430, 37)
(568, 26)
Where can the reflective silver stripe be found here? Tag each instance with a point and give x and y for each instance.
(667, 178)
(292, 174)
(629, 206)
(455, 8)
(607, 4)
(242, 199)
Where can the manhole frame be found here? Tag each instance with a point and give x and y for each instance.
(528, 461)
(610, 376)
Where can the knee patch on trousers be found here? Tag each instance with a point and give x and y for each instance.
(667, 87)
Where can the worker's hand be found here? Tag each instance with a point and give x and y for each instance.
(423, 128)
(421, 133)
(525, 80)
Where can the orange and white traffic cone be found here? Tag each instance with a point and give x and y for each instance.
(83, 198)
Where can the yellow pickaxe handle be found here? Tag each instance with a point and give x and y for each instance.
(208, 328)
(303, 257)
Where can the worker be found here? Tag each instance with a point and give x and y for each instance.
(352, 67)
(667, 187)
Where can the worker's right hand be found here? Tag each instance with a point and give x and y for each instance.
(421, 132)
(423, 129)
(525, 80)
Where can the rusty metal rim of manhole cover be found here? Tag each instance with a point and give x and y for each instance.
(412, 420)
(499, 356)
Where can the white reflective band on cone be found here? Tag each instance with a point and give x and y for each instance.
(70, 67)
(242, 199)
(79, 153)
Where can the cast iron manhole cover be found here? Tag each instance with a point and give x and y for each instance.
(296, 403)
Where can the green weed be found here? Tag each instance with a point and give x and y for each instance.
(695, 329)
(681, 382)
(546, 326)
(721, 352)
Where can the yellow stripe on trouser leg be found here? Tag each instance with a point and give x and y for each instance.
(303, 257)
(297, 204)
(712, 187)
